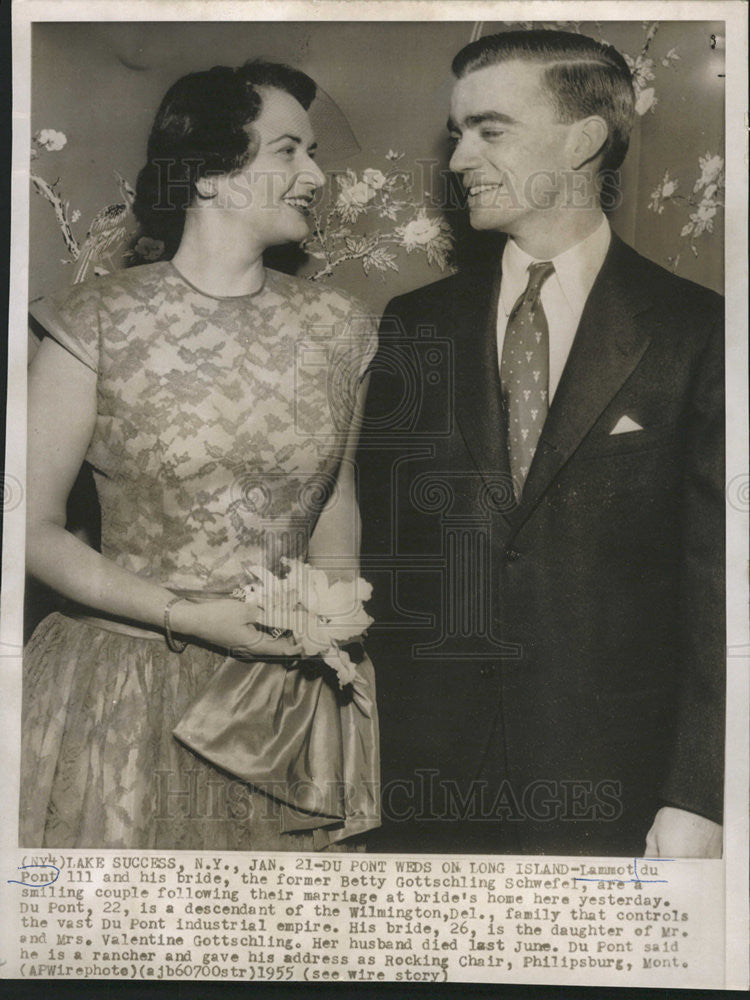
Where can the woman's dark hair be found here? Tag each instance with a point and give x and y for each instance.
(200, 129)
(581, 77)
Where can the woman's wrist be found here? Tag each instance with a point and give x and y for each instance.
(205, 619)
(175, 645)
(181, 615)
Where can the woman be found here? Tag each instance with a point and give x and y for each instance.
(217, 403)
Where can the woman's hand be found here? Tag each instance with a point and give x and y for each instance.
(228, 623)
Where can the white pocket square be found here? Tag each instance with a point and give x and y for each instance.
(625, 425)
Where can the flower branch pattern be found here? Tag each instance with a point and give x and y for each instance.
(702, 204)
(341, 232)
(109, 230)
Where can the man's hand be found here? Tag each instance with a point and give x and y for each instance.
(676, 833)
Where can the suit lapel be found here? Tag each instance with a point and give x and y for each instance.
(608, 344)
(479, 407)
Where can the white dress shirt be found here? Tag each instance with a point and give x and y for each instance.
(563, 294)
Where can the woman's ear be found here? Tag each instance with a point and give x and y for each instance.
(589, 137)
(206, 187)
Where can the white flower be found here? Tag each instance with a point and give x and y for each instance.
(321, 615)
(645, 100)
(374, 178)
(701, 221)
(641, 69)
(710, 193)
(711, 168)
(670, 58)
(75, 216)
(655, 201)
(419, 232)
(51, 140)
(356, 195)
(393, 155)
(644, 69)
(342, 663)
(433, 235)
(660, 194)
(335, 612)
(706, 213)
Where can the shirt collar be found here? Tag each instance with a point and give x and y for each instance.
(575, 269)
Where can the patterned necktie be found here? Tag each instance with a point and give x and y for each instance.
(524, 373)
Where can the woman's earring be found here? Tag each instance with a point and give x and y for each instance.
(205, 188)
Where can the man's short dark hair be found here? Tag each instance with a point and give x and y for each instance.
(581, 77)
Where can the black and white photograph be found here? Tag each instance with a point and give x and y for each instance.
(376, 495)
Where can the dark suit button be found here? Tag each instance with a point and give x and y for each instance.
(512, 555)
(487, 670)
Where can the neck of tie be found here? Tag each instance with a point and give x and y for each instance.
(524, 373)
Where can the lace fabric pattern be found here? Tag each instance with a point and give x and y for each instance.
(221, 424)
(221, 421)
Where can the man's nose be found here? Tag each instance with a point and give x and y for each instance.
(465, 155)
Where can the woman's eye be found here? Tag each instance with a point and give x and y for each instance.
(491, 134)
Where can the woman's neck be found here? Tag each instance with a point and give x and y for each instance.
(217, 262)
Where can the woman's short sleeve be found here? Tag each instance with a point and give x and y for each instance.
(370, 341)
(349, 352)
(364, 330)
(73, 319)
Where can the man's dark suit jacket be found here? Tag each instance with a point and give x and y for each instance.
(551, 672)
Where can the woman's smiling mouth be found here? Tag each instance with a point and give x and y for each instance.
(300, 202)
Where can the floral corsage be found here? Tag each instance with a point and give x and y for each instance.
(321, 616)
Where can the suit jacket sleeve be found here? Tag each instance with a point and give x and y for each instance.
(695, 773)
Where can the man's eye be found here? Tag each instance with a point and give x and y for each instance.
(492, 133)
(453, 139)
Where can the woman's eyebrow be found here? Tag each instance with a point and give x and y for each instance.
(293, 138)
(285, 135)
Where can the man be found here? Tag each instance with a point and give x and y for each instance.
(543, 514)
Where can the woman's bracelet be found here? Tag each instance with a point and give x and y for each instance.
(176, 646)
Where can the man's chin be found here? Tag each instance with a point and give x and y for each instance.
(488, 218)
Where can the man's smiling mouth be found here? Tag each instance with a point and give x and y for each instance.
(475, 190)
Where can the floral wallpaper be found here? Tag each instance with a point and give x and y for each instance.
(379, 228)
(386, 197)
(705, 200)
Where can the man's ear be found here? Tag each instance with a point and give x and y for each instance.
(589, 136)
(206, 187)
